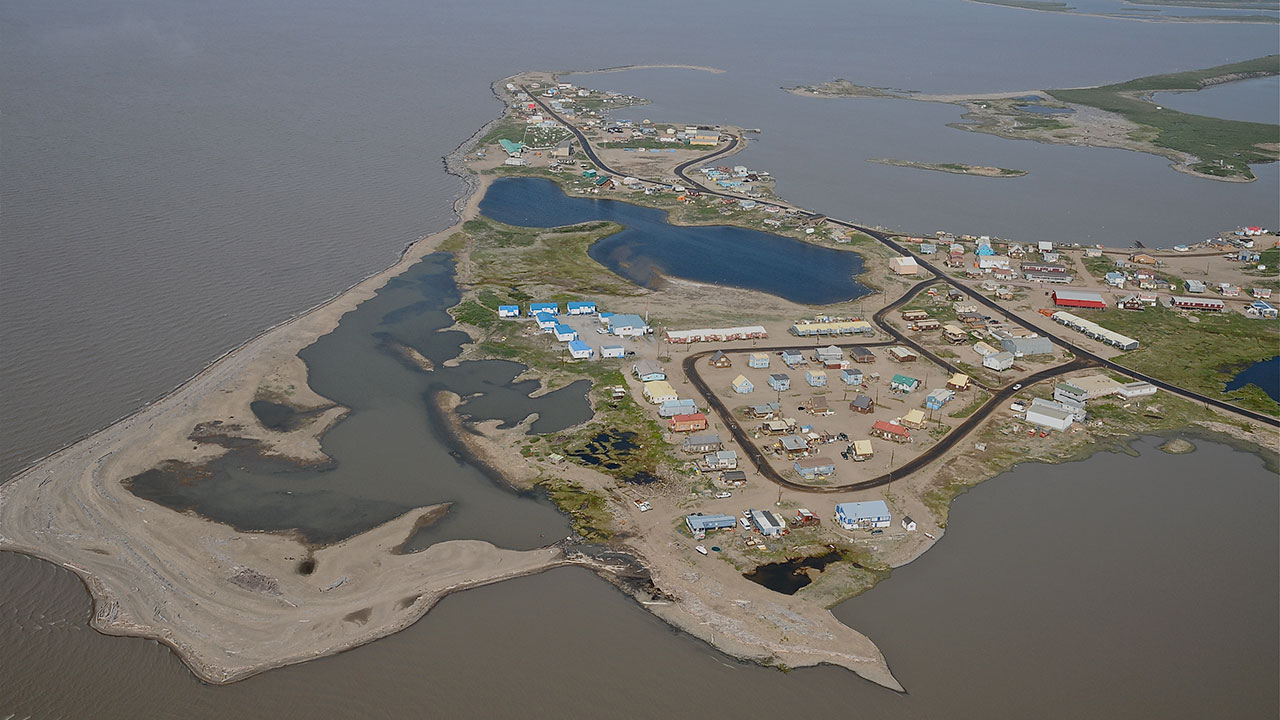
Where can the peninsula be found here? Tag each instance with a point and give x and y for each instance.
(1121, 115)
(750, 460)
(954, 168)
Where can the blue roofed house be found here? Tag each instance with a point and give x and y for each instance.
(579, 350)
(543, 307)
(564, 333)
(546, 321)
(863, 515)
(742, 385)
(780, 381)
(816, 378)
(851, 376)
(627, 325)
(585, 307)
(508, 311)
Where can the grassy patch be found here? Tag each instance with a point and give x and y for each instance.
(557, 259)
(1225, 148)
(1099, 266)
(979, 399)
(588, 511)
(473, 313)
(1201, 356)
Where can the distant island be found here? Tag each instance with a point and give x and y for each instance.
(1150, 10)
(953, 168)
(1121, 115)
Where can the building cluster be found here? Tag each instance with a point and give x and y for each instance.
(548, 318)
(1067, 406)
(865, 515)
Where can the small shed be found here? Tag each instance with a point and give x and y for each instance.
(908, 524)
(720, 359)
(758, 360)
(780, 381)
(816, 378)
(742, 385)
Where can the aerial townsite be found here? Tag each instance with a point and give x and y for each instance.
(761, 443)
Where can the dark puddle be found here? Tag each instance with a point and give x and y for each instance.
(390, 454)
(280, 417)
(790, 575)
(611, 451)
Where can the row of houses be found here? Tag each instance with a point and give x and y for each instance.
(864, 515)
(1094, 330)
(749, 332)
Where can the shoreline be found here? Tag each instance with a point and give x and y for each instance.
(70, 509)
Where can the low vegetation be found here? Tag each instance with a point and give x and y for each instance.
(1225, 148)
(1201, 356)
(588, 511)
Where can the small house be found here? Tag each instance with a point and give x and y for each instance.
(721, 460)
(816, 378)
(862, 450)
(699, 524)
(898, 353)
(915, 315)
(648, 371)
(863, 404)
(660, 391)
(851, 376)
(763, 412)
(720, 360)
(742, 385)
(958, 382)
(914, 419)
(814, 467)
(735, 478)
(780, 381)
(861, 354)
(582, 308)
(1050, 417)
(999, 362)
(627, 325)
(863, 515)
(564, 333)
(891, 431)
(766, 522)
(579, 350)
(545, 321)
(1114, 279)
(818, 405)
(904, 384)
(699, 444)
(549, 308)
(908, 524)
(1069, 393)
(1132, 390)
(936, 399)
(805, 518)
(671, 408)
(1195, 286)
(613, 351)
(794, 445)
(828, 356)
(507, 311)
(758, 360)
(792, 358)
(953, 334)
(692, 422)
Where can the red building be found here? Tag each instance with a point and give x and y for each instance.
(1078, 298)
(688, 423)
(891, 431)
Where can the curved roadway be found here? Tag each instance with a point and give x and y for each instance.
(1083, 358)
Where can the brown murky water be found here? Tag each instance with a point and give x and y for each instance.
(1116, 587)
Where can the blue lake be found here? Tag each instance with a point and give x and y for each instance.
(1265, 374)
(650, 247)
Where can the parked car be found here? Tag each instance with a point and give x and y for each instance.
(723, 494)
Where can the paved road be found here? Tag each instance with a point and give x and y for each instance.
(884, 239)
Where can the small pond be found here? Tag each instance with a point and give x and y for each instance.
(1264, 373)
(788, 576)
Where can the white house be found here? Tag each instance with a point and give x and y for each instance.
(508, 311)
(1136, 389)
(908, 524)
(579, 350)
(625, 325)
(767, 523)
(863, 515)
(999, 362)
(564, 333)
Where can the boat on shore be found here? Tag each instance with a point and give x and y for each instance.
(702, 549)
